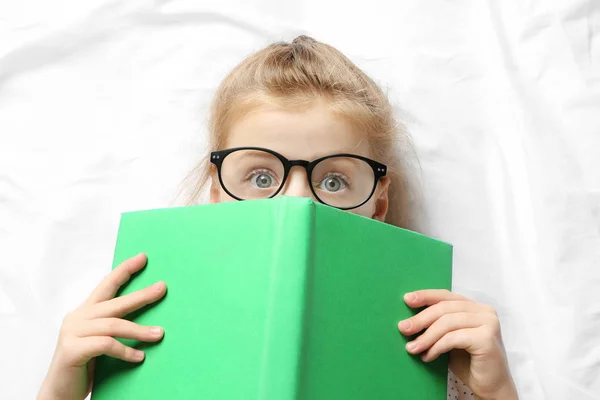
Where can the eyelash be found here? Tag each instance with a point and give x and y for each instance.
(337, 175)
(258, 171)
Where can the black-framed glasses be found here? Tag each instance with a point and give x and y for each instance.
(344, 181)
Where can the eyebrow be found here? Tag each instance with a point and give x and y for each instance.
(257, 154)
(250, 154)
(344, 150)
(346, 160)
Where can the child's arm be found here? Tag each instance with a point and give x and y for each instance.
(470, 331)
(89, 331)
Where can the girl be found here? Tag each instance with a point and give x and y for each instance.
(298, 119)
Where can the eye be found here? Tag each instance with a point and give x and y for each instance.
(333, 183)
(262, 179)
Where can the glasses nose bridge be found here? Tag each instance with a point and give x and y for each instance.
(299, 163)
(294, 186)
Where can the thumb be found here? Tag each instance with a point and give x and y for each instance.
(91, 369)
(460, 363)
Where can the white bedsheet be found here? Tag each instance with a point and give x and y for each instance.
(103, 107)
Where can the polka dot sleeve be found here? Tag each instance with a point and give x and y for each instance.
(457, 390)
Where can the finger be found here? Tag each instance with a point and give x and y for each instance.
(107, 289)
(431, 314)
(445, 324)
(469, 339)
(120, 328)
(94, 346)
(422, 298)
(124, 305)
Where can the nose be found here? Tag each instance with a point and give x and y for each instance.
(297, 184)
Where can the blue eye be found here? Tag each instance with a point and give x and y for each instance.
(332, 183)
(262, 180)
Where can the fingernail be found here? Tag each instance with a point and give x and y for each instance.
(158, 286)
(156, 330)
(138, 355)
(410, 297)
(411, 346)
(405, 325)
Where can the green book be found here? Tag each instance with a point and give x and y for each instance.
(279, 299)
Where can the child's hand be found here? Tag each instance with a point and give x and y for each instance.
(89, 331)
(469, 331)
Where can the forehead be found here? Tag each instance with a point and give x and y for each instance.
(306, 133)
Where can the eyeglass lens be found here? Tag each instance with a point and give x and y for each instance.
(337, 181)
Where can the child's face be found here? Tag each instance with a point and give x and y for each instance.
(302, 135)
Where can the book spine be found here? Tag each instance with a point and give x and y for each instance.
(281, 359)
(304, 373)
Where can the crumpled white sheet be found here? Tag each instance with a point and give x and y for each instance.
(103, 107)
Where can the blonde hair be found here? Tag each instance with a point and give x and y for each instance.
(296, 74)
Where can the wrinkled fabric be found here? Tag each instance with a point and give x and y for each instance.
(103, 109)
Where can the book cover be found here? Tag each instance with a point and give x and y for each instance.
(279, 299)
